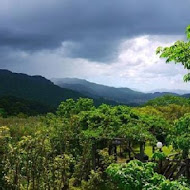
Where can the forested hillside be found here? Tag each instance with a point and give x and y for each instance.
(38, 89)
(121, 95)
(167, 100)
(13, 106)
(35, 88)
(169, 107)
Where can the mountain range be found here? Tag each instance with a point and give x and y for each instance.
(37, 89)
(121, 95)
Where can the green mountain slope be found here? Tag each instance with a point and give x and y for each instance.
(35, 88)
(122, 95)
(30, 89)
(167, 100)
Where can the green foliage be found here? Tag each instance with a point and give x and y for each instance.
(140, 176)
(173, 112)
(34, 88)
(4, 147)
(31, 165)
(169, 107)
(158, 155)
(149, 110)
(70, 107)
(94, 182)
(179, 53)
(4, 137)
(188, 32)
(19, 127)
(105, 158)
(2, 112)
(13, 106)
(180, 135)
(168, 100)
(71, 147)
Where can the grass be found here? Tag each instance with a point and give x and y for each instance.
(167, 150)
(148, 151)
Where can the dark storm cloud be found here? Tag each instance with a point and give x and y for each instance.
(94, 27)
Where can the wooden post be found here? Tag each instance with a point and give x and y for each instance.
(115, 152)
(129, 151)
(110, 149)
(160, 163)
(141, 151)
(93, 154)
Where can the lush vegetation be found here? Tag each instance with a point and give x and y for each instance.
(76, 147)
(73, 148)
(179, 52)
(168, 100)
(13, 106)
(34, 88)
(168, 106)
(141, 176)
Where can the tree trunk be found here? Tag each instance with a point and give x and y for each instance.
(142, 151)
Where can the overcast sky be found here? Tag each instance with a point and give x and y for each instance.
(112, 42)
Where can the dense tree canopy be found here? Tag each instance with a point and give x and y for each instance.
(180, 135)
(169, 107)
(73, 147)
(167, 100)
(141, 176)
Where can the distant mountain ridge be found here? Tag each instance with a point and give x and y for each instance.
(39, 89)
(122, 95)
(177, 91)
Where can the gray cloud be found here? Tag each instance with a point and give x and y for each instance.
(136, 65)
(95, 28)
(112, 42)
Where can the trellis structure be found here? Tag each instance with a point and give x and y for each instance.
(112, 145)
(171, 168)
(175, 167)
